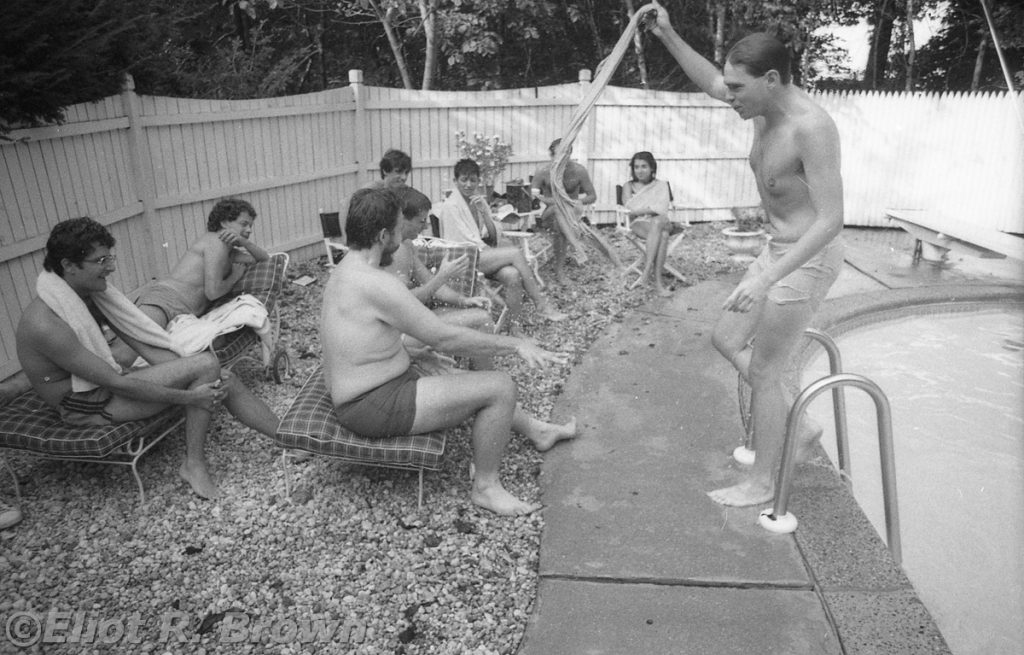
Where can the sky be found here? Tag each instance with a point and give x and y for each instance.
(855, 39)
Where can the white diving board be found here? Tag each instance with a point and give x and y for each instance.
(949, 234)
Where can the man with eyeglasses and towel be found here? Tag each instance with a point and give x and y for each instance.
(67, 360)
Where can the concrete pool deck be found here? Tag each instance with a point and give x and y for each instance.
(636, 559)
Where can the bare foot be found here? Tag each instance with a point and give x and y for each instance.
(808, 435)
(552, 314)
(546, 437)
(500, 501)
(743, 494)
(199, 479)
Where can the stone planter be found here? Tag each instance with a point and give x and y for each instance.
(743, 246)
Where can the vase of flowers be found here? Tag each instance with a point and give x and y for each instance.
(489, 152)
(746, 236)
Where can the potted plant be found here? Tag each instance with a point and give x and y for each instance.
(746, 236)
(490, 153)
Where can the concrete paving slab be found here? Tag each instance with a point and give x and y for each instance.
(626, 500)
(606, 619)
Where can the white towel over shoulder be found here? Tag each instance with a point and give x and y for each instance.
(120, 311)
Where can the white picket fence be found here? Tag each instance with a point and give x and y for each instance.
(150, 168)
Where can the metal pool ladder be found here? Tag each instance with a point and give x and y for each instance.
(777, 518)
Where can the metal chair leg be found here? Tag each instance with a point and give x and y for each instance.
(14, 476)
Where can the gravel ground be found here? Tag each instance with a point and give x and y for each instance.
(348, 552)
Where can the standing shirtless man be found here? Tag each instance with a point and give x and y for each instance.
(795, 159)
(377, 394)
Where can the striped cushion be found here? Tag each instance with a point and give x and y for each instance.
(312, 425)
(263, 280)
(235, 344)
(27, 423)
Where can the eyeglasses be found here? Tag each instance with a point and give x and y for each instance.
(102, 261)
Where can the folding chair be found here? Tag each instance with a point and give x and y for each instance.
(311, 425)
(622, 226)
(334, 236)
(433, 250)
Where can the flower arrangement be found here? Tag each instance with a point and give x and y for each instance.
(491, 153)
(748, 219)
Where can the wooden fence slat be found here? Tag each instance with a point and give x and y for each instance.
(290, 156)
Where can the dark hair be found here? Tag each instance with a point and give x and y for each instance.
(412, 201)
(74, 240)
(647, 157)
(225, 211)
(466, 167)
(395, 161)
(759, 53)
(369, 212)
(554, 146)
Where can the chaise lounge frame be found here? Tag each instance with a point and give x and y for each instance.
(29, 426)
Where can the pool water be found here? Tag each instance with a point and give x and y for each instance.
(955, 383)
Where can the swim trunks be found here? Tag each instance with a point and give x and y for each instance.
(385, 411)
(86, 408)
(166, 296)
(809, 283)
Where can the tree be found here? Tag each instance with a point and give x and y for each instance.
(56, 53)
(960, 55)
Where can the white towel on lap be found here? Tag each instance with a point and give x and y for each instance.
(193, 335)
(120, 311)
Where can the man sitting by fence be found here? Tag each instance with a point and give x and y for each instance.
(375, 391)
(65, 355)
(466, 217)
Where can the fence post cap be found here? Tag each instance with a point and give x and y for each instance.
(585, 75)
(355, 76)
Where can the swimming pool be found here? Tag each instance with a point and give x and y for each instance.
(955, 381)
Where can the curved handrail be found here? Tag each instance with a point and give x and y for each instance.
(885, 448)
(835, 366)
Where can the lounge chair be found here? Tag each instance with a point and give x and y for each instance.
(28, 425)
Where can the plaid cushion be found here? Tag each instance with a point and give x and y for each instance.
(27, 423)
(263, 280)
(433, 251)
(312, 425)
(235, 344)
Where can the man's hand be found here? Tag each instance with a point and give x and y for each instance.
(453, 268)
(232, 239)
(656, 21)
(481, 204)
(208, 396)
(535, 356)
(746, 294)
(477, 301)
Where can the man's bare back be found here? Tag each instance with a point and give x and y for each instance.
(360, 350)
